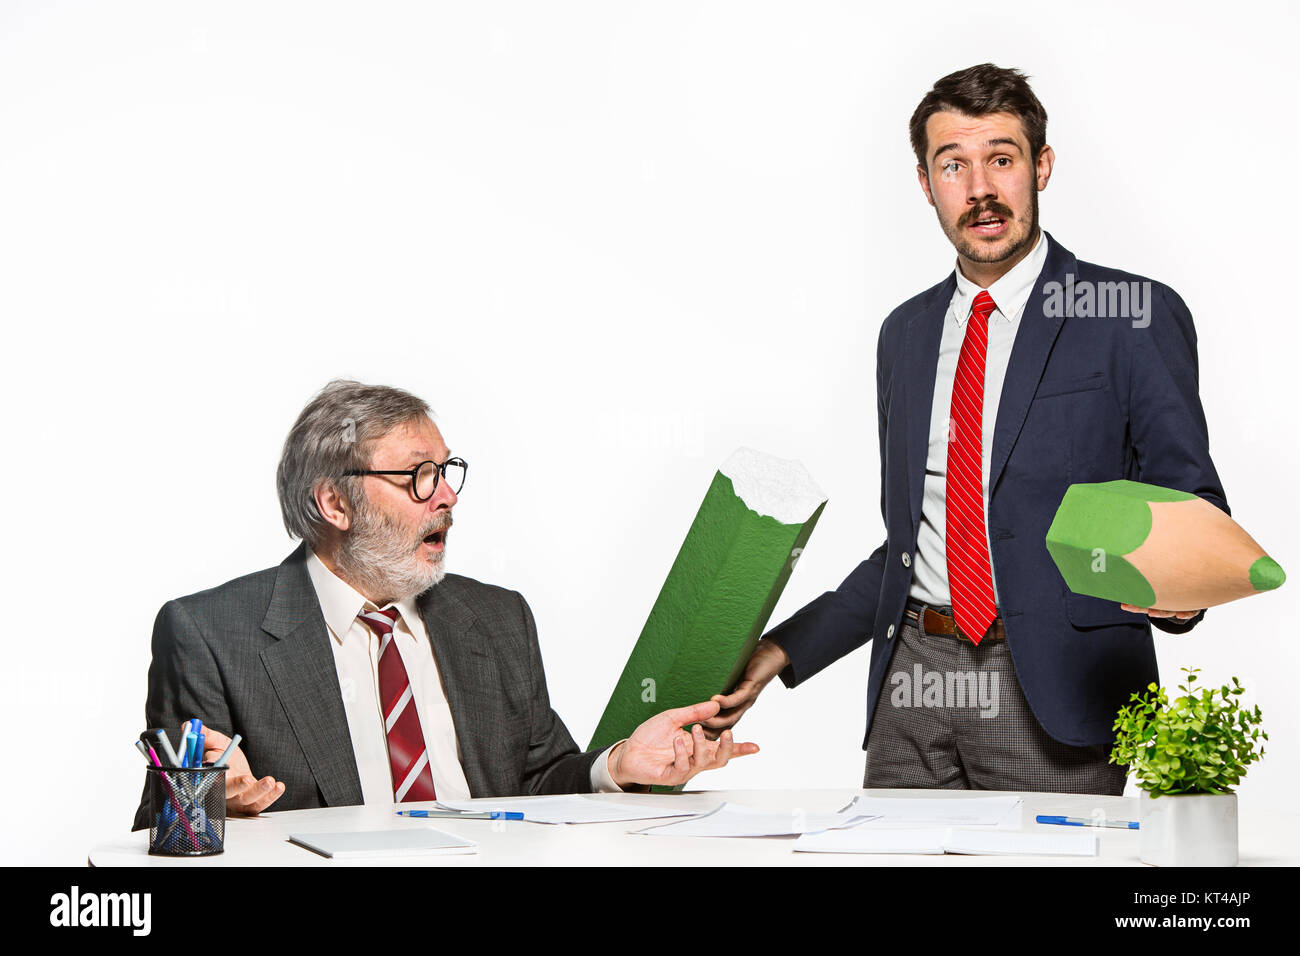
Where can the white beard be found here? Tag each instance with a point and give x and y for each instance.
(383, 559)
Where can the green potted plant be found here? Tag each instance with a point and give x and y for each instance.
(1188, 755)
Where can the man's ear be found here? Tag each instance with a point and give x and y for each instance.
(924, 180)
(1044, 171)
(332, 504)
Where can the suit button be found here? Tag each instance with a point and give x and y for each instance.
(907, 560)
(889, 633)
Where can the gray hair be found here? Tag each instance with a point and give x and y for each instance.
(336, 432)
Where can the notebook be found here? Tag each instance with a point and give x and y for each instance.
(408, 841)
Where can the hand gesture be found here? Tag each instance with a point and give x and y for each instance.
(245, 794)
(768, 660)
(660, 753)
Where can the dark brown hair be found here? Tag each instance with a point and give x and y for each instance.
(977, 91)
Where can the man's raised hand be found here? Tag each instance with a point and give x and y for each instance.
(245, 794)
(661, 753)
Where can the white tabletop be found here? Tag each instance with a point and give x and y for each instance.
(1264, 838)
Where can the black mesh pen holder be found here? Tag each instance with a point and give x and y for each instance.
(187, 811)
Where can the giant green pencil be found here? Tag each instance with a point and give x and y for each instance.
(738, 554)
(1155, 547)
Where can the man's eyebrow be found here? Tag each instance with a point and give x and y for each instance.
(1003, 141)
(999, 141)
(422, 454)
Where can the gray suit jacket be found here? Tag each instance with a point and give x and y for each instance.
(253, 657)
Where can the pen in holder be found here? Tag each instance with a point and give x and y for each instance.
(187, 811)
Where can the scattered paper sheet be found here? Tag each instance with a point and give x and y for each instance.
(988, 842)
(938, 812)
(569, 808)
(735, 820)
(868, 840)
(1001, 843)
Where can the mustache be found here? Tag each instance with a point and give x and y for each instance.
(994, 208)
(437, 523)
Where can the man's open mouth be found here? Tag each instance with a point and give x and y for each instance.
(435, 538)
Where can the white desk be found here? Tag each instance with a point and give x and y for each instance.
(1264, 838)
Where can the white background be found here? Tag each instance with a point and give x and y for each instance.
(609, 243)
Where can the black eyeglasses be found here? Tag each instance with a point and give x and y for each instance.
(424, 476)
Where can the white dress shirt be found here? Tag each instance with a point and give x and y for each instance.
(1009, 293)
(356, 658)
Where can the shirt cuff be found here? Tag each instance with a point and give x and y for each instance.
(601, 780)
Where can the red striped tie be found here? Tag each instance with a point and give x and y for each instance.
(970, 579)
(407, 756)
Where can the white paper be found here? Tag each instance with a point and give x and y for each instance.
(985, 842)
(939, 812)
(735, 820)
(869, 840)
(568, 808)
(1000, 843)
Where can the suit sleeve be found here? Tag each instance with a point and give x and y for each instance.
(840, 621)
(553, 763)
(184, 682)
(1170, 437)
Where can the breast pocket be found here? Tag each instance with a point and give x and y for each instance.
(1042, 454)
(1085, 426)
(1051, 388)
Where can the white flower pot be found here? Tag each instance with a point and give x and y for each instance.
(1191, 829)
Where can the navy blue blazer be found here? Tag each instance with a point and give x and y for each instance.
(1085, 399)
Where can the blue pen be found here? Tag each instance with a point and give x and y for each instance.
(195, 737)
(1086, 822)
(464, 815)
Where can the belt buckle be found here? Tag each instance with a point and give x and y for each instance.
(990, 635)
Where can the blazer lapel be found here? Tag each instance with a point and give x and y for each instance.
(920, 364)
(469, 677)
(1034, 340)
(301, 667)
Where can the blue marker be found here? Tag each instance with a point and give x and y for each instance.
(1085, 822)
(194, 736)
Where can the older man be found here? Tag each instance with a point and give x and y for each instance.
(358, 670)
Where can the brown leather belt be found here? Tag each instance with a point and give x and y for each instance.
(933, 623)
